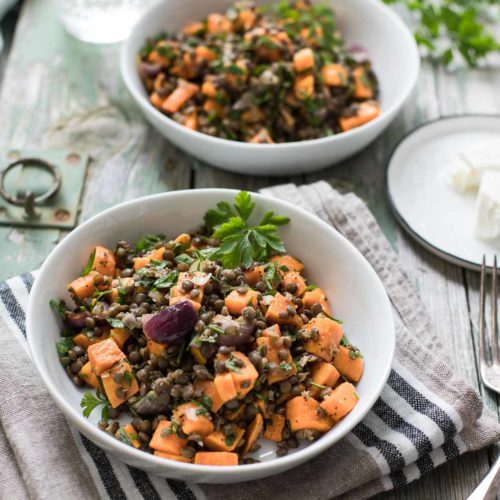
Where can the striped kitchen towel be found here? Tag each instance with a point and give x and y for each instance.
(425, 416)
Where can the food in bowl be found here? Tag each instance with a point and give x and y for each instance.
(274, 74)
(208, 341)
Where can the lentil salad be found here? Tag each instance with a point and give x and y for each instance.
(273, 74)
(207, 343)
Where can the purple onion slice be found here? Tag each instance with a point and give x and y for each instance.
(172, 323)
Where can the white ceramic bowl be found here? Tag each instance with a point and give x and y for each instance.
(355, 292)
(370, 23)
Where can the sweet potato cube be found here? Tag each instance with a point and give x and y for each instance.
(118, 392)
(330, 335)
(215, 458)
(340, 401)
(165, 441)
(302, 414)
(88, 375)
(193, 418)
(103, 355)
(349, 364)
(323, 373)
(218, 441)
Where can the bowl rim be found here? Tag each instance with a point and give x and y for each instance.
(109, 443)
(127, 67)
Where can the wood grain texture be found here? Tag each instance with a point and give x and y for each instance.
(61, 93)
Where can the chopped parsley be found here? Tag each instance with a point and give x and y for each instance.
(90, 263)
(90, 402)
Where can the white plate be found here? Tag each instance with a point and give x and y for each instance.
(439, 218)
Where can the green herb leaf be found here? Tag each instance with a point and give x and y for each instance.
(244, 204)
(310, 288)
(64, 345)
(115, 323)
(86, 270)
(90, 402)
(271, 218)
(148, 241)
(206, 401)
(59, 307)
(98, 295)
(217, 216)
(129, 377)
(229, 440)
(230, 365)
(167, 281)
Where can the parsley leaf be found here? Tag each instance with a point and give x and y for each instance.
(98, 295)
(242, 243)
(64, 345)
(148, 241)
(115, 323)
(451, 27)
(90, 402)
(167, 281)
(59, 307)
(216, 216)
(86, 270)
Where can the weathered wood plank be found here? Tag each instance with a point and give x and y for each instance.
(61, 93)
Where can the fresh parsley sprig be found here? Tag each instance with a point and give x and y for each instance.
(462, 22)
(90, 402)
(242, 243)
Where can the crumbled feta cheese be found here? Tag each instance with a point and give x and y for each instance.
(488, 206)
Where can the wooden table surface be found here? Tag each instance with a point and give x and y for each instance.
(57, 92)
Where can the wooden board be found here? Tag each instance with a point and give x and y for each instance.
(59, 93)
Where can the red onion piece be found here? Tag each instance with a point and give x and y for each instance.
(358, 53)
(172, 323)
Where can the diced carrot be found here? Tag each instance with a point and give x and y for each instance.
(155, 347)
(247, 19)
(174, 300)
(330, 335)
(334, 75)
(274, 428)
(104, 355)
(323, 373)
(312, 38)
(119, 335)
(203, 53)
(284, 368)
(193, 418)
(316, 296)
(236, 302)
(165, 441)
(218, 441)
(253, 115)
(193, 29)
(83, 287)
(304, 86)
(178, 291)
(208, 388)
(234, 415)
(132, 435)
(254, 275)
(302, 414)
(367, 111)
(191, 119)
(169, 456)
(113, 296)
(155, 57)
(262, 137)
(83, 341)
(104, 261)
(293, 277)
(215, 458)
(289, 262)
(362, 86)
(185, 66)
(340, 401)
(244, 379)
(183, 239)
(88, 375)
(157, 253)
(184, 91)
(262, 407)
(278, 311)
(350, 365)
(140, 262)
(224, 384)
(303, 60)
(273, 332)
(217, 23)
(118, 393)
(253, 432)
(208, 88)
(212, 106)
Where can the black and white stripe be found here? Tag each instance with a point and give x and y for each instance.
(409, 431)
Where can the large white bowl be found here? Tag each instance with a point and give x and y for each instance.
(356, 294)
(369, 23)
